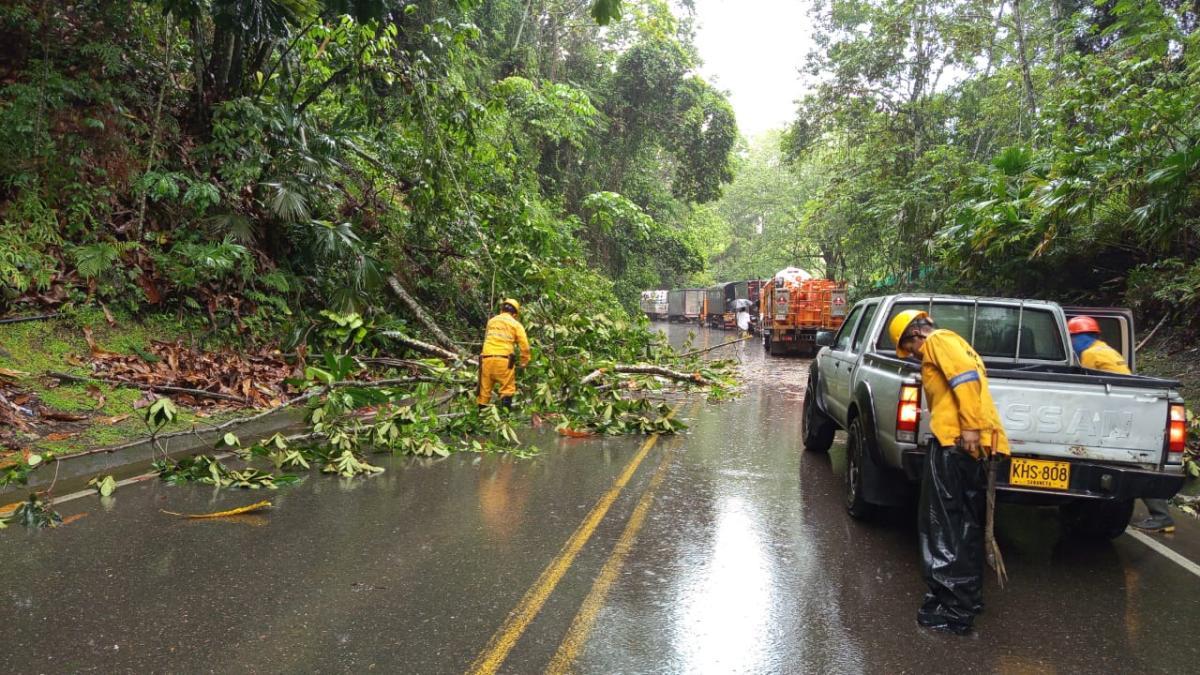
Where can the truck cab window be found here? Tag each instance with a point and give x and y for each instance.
(860, 335)
(997, 330)
(842, 341)
(884, 343)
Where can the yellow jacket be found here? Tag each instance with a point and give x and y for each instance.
(504, 332)
(1102, 357)
(956, 388)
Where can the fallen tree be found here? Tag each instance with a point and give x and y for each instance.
(422, 316)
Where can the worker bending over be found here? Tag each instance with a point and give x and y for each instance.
(1094, 354)
(497, 361)
(966, 429)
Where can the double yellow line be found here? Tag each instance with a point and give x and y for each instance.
(502, 642)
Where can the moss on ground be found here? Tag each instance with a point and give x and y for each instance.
(38, 347)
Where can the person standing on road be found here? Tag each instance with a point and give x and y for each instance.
(966, 430)
(498, 359)
(1094, 354)
(743, 321)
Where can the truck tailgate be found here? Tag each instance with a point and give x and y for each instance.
(1096, 421)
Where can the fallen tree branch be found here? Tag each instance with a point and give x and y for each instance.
(159, 388)
(427, 348)
(422, 316)
(301, 398)
(642, 369)
(709, 349)
(23, 319)
(1146, 339)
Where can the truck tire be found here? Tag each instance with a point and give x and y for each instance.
(856, 447)
(774, 348)
(766, 341)
(818, 429)
(1096, 519)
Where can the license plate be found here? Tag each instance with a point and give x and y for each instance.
(1038, 473)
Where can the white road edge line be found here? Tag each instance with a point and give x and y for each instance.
(1165, 550)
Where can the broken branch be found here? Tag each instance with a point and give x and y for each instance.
(709, 349)
(1146, 339)
(694, 378)
(422, 316)
(159, 388)
(420, 346)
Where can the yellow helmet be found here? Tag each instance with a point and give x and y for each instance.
(509, 301)
(899, 323)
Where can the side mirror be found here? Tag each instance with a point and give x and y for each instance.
(824, 338)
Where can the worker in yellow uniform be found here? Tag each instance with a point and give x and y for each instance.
(1094, 354)
(966, 430)
(497, 361)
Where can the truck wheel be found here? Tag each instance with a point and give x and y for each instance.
(1097, 519)
(818, 428)
(856, 442)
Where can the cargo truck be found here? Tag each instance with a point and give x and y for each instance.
(717, 301)
(794, 307)
(685, 304)
(654, 304)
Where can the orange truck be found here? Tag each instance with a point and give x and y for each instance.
(793, 306)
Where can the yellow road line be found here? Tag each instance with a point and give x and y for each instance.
(581, 626)
(502, 642)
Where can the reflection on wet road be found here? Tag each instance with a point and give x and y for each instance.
(725, 550)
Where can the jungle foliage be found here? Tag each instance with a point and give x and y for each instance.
(256, 162)
(1047, 149)
(1010, 146)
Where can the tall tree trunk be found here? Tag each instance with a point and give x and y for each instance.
(199, 71)
(1058, 17)
(1023, 57)
(220, 63)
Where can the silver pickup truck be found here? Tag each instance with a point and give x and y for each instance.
(1088, 442)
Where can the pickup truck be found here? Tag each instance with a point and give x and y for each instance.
(1085, 441)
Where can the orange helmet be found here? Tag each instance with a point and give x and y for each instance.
(1082, 324)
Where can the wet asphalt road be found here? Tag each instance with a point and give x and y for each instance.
(721, 550)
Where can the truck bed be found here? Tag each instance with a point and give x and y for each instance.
(1067, 412)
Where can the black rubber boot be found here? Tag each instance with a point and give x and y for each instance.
(506, 403)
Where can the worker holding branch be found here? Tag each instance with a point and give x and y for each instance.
(498, 359)
(1095, 354)
(966, 431)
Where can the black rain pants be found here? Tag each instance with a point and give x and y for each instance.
(951, 527)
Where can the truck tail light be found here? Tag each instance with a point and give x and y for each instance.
(908, 413)
(1176, 433)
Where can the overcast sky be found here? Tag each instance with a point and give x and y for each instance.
(753, 49)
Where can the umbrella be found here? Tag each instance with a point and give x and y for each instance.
(741, 304)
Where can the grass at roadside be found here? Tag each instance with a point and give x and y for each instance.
(39, 347)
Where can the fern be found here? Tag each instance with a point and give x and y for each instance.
(93, 260)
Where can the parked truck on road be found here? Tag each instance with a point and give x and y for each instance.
(794, 307)
(717, 302)
(685, 304)
(654, 304)
(1085, 441)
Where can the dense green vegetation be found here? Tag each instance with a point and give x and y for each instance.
(1009, 146)
(253, 162)
(990, 146)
